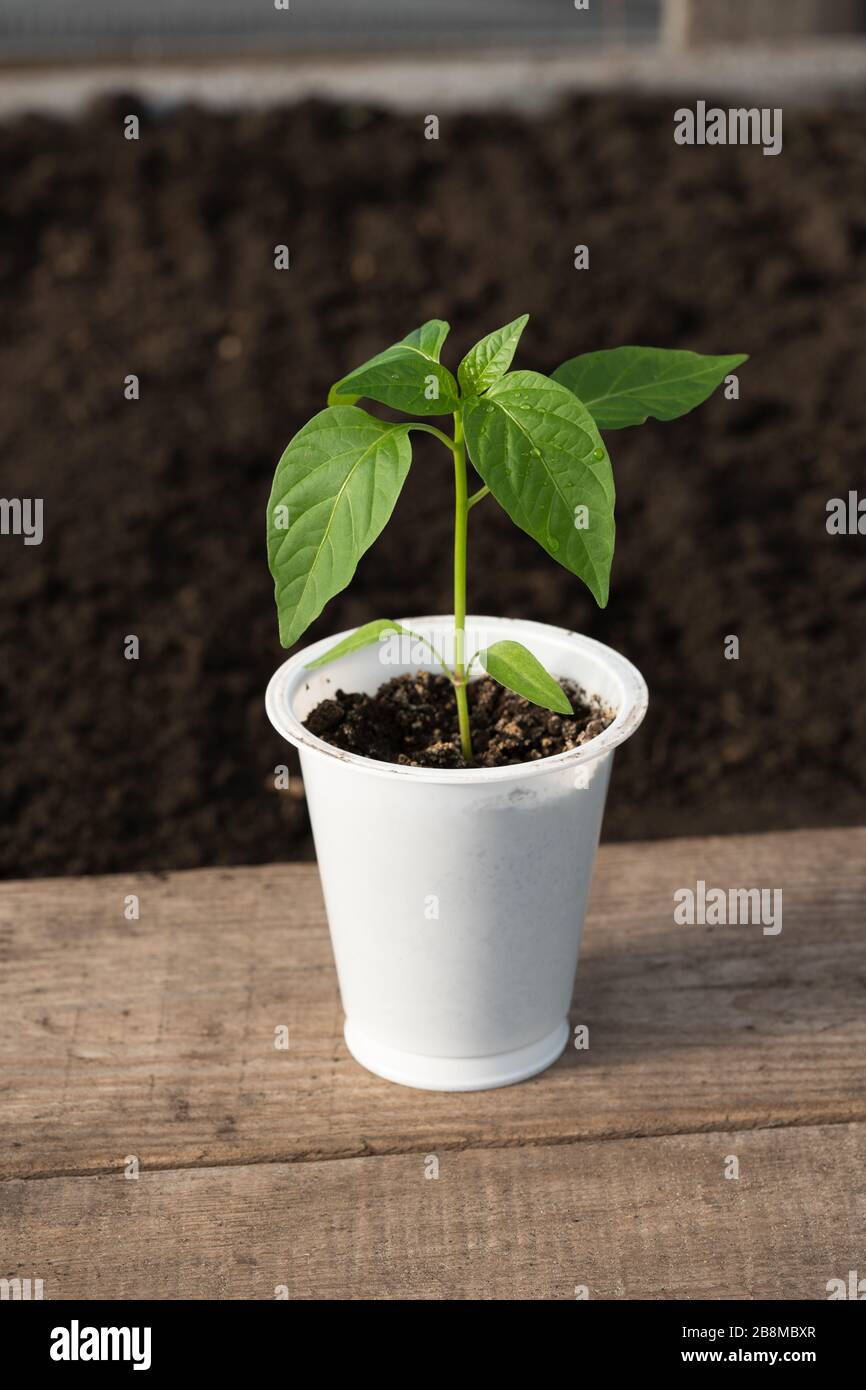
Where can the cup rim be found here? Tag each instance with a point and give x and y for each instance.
(632, 708)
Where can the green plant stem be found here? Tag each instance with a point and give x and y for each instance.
(462, 504)
(461, 518)
(437, 434)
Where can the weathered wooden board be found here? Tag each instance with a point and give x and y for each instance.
(155, 1038)
(690, 23)
(645, 1218)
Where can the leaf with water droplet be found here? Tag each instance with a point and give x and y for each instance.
(491, 358)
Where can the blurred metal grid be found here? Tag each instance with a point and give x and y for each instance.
(97, 28)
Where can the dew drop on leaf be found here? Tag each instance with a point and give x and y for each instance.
(552, 542)
(599, 453)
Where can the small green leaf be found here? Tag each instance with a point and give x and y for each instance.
(335, 487)
(540, 453)
(517, 669)
(429, 338)
(625, 385)
(361, 637)
(407, 376)
(490, 358)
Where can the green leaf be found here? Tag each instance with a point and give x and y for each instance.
(490, 358)
(628, 384)
(361, 637)
(517, 669)
(429, 338)
(334, 489)
(540, 453)
(407, 376)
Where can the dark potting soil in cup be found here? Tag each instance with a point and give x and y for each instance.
(413, 720)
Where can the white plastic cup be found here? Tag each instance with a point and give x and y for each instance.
(456, 898)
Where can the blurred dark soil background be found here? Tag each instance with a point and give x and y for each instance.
(156, 258)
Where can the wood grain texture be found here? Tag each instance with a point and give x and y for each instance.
(155, 1038)
(645, 1218)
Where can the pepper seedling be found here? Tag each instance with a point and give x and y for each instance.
(535, 442)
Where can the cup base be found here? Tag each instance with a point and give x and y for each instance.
(455, 1073)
